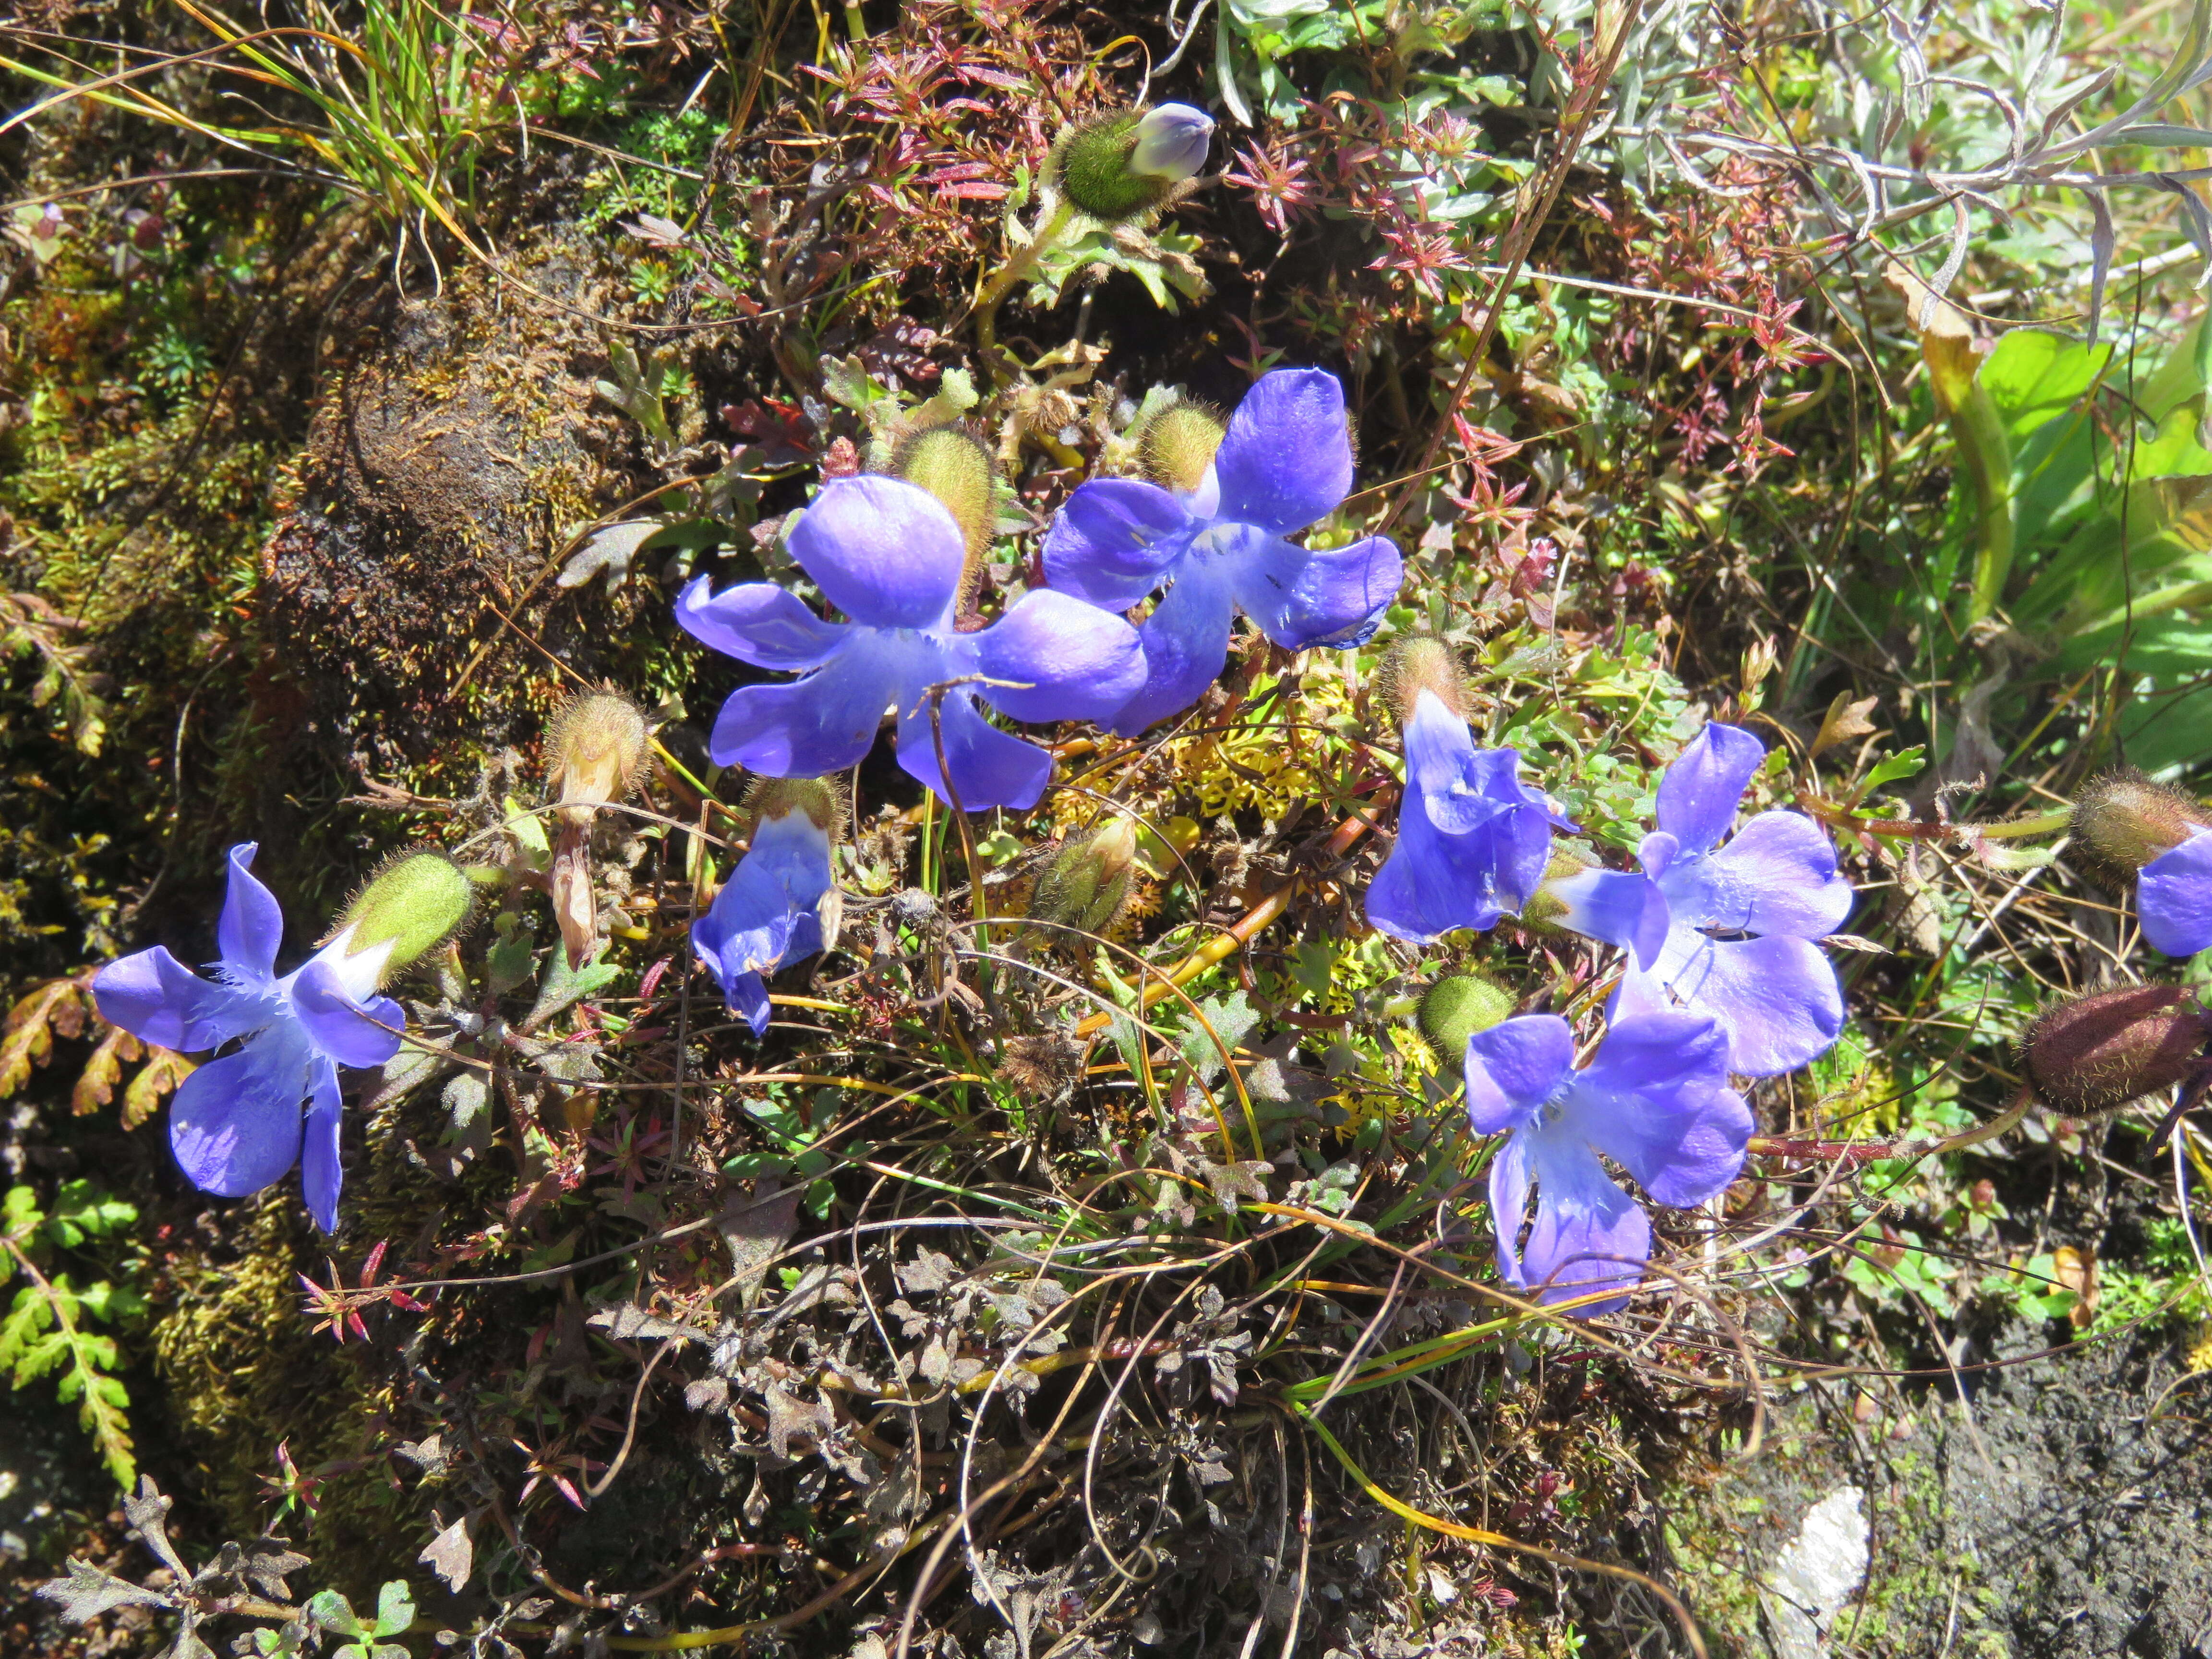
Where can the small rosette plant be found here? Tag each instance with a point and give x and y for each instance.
(1654, 1099)
(780, 903)
(236, 1125)
(890, 556)
(1720, 925)
(1214, 529)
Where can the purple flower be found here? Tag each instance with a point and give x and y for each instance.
(1172, 141)
(235, 1126)
(1283, 464)
(2173, 896)
(1473, 842)
(770, 912)
(1724, 931)
(1656, 1100)
(889, 555)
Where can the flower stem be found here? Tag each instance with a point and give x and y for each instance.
(1003, 280)
(2043, 823)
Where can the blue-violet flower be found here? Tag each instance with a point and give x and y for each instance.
(1654, 1099)
(1285, 463)
(1171, 140)
(2173, 896)
(889, 555)
(1472, 840)
(235, 1125)
(770, 911)
(1726, 931)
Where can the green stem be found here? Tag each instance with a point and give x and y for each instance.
(1003, 280)
(2043, 823)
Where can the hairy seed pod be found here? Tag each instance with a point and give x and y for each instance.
(1177, 445)
(1419, 663)
(414, 903)
(1086, 884)
(2096, 1053)
(2123, 821)
(593, 751)
(1457, 1006)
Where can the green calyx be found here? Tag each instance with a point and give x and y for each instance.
(1419, 663)
(1090, 168)
(415, 903)
(1087, 883)
(821, 800)
(1457, 1006)
(1178, 444)
(955, 465)
(2123, 821)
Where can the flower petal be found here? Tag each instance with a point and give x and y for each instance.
(885, 552)
(821, 724)
(1777, 999)
(1589, 1235)
(1656, 1100)
(1513, 1068)
(1078, 661)
(340, 1028)
(1511, 1178)
(989, 768)
(1699, 795)
(764, 915)
(2173, 896)
(1777, 876)
(1301, 598)
(1617, 906)
(1287, 459)
(158, 1000)
(1186, 640)
(1171, 142)
(1433, 882)
(1113, 541)
(757, 623)
(320, 1173)
(252, 924)
(234, 1125)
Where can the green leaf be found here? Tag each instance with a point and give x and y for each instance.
(395, 1609)
(1903, 764)
(334, 1613)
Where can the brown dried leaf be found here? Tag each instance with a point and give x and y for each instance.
(56, 1008)
(164, 1070)
(1845, 721)
(2076, 1271)
(95, 1084)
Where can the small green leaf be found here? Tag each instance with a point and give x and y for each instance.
(334, 1613)
(395, 1609)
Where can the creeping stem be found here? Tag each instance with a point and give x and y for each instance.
(1003, 280)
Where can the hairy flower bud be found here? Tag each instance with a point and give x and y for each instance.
(410, 907)
(2123, 821)
(957, 467)
(1457, 1006)
(1177, 445)
(1419, 663)
(822, 802)
(592, 753)
(1086, 884)
(2097, 1053)
(1124, 165)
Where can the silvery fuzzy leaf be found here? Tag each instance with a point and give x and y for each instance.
(87, 1592)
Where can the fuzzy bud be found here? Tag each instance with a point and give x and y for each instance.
(1176, 445)
(2124, 821)
(1419, 663)
(1122, 166)
(1457, 1006)
(822, 801)
(594, 751)
(1087, 882)
(2097, 1053)
(414, 904)
(955, 465)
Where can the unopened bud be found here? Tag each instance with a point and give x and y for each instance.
(1419, 663)
(1087, 882)
(955, 465)
(2098, 1051)
(2124, 821)
(413, 905)
(592, 753)
(1457, 1006)
(1124, 165)
(1178, 444)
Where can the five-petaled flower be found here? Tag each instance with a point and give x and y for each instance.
(236, 1125)
(1283, 464)
(1654, 1099)
(1727, 931)
(1472, 840)
(769, 913)
(889, 555)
